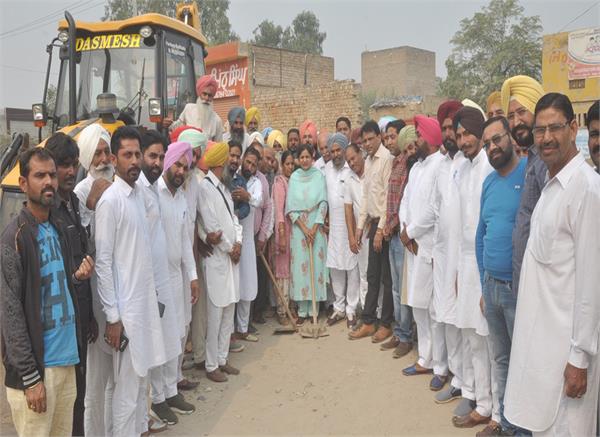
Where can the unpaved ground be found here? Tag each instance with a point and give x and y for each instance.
(330, 386)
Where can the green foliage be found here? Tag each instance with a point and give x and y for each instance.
(302, 35)
(214, 21)
(267, 34)
(496, 43)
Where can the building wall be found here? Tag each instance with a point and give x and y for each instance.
(284, 108)
(271, 67)
(428, 106)
(555, 75)
(400, 71)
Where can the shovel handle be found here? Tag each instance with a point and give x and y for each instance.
(312, 283)
(277, 289)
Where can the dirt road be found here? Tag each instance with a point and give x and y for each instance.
(290, 385)
(330, 386)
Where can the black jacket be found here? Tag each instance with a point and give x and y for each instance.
(20, 299)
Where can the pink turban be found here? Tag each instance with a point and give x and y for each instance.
(175, 152)
(311, 127)
(205, 82)
(429, 129)
(448, 109)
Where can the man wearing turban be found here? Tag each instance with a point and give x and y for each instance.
(308, 133)
(252, 120)
(222, 267)
(201, 114)
(445, 114)
(493, 105)
(236, 117)
(519, 96)
(418, 235)
(342, 263)
(469, 316)
(277, 141)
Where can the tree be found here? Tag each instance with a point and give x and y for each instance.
(496, 43)
(213, 15)
(303, 35)
(267, 34)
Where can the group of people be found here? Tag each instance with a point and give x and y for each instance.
(476, 228)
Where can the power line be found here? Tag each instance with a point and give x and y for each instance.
(42, 18)
(14, 67)
(578, 16)
(25, 28)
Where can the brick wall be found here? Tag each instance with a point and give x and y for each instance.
(399, 71)
(428, 106)
(269, 67)
(284, 108)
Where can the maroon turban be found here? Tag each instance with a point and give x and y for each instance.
(447, 110)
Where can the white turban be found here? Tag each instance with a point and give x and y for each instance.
(88, 143)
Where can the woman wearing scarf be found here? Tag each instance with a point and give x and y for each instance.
(282, 232)
(306, 206)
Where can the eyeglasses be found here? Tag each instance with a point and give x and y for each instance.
(554, 128)
(495, 139)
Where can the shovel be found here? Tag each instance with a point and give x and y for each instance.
(315, 330)
(284, 329)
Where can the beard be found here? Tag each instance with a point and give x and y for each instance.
(205, 114)
(246, 173)
(450, 146)
(501, 158)
(228, 177)
(237, 135)
(43, 200)
(525, 141)
(104, 171)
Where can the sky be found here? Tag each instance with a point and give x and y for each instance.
(27, 26)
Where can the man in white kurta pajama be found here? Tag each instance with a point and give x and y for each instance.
(342, 263)
(554, 373)
(221, 268)
(163, 379)
(126, 286)
(469, 317)
(248, 272)
(419, 225)
(180, 261)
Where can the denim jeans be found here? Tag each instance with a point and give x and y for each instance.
(500, 306)
(402, 313)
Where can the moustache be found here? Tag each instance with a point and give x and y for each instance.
(595, 149)
(49, 190)
(552, 145)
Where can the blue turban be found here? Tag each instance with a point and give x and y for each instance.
(236, 112)
(339, 139)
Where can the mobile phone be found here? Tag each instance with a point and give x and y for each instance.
(123, 342)
(161, 309)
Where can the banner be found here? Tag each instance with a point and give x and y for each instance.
(232, 78)
(584, 54)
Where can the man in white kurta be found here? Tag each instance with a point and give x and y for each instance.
(126, 286)
(163, 379)
(554, 373)
(342, 263)
(248, 272)
(469, 317)
(418, 222)
(94, 157)
(353, 192)
(221, 268)
(183, 277)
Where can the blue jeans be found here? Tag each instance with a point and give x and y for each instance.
(402, 313)
(500, 306)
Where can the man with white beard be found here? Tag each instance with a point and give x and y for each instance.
(201, 114)
(94, 157)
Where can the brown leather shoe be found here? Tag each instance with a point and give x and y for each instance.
(216, 376)
(381, 334)
(392, 343)
(470, 420)
(186, 384)
(402, 349)
(492, 428)
(229, 369)
(364, 331)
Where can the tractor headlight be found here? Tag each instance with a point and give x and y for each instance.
(63, 36)
(146, 31)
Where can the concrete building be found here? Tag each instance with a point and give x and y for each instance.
(399, 71)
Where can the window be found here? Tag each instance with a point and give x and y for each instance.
(180, 82)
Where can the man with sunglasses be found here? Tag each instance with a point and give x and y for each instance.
(500, 199)
(554, 373)
(519, 96)
(201, 114)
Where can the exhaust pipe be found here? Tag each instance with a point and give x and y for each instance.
(72, 70)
